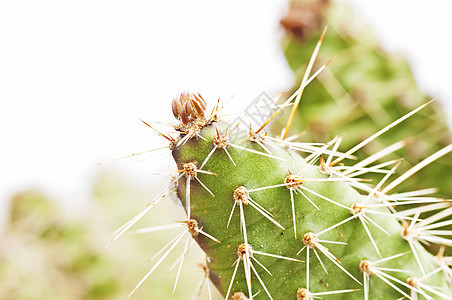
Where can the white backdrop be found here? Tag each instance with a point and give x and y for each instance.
(75, 76)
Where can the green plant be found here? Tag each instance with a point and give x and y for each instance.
(282, 219)
(49, 253)
(364, 89)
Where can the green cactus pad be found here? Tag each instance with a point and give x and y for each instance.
(246, 164)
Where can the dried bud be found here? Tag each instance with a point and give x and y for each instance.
(304, 18)
(189, 107)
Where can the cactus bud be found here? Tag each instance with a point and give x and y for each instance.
(188, 107)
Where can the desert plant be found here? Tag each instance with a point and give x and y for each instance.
(282, 219)
(47, 252)
(364, 89)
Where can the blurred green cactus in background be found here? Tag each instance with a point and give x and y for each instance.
(47, 253)
(46, 256)
(362, 90)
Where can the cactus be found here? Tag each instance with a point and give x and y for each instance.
(280, 219)
(364, 89)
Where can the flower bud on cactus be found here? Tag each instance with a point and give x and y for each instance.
(188, 107)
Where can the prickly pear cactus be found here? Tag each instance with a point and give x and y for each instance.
(281, 219)
(361, 91)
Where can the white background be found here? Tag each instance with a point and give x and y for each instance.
(75, 76)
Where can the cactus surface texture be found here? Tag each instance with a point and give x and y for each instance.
(281, 219)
